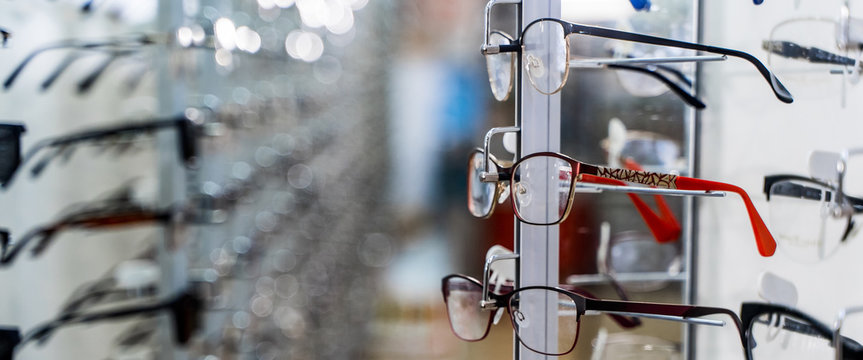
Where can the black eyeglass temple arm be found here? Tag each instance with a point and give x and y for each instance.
(812, 54)
(680, 92)
(778, 89)
(5, 34)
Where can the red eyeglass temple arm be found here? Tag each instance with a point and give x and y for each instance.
(763, 239)
(664, 229)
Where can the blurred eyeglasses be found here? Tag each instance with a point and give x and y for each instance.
(812, 216)
(528, 304)
(845, 330)
(814, 55)
(781, 332)
(544, 46)
(183, 307)
(5, 35)
(501, 72)
(636, 253)
(541, 174)
(625, 346)
(11, 160)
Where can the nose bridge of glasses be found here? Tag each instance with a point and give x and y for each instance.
(485, 176)
(487, 302)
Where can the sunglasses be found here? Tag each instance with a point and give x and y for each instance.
(544, 46)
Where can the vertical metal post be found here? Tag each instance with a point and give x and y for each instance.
(538, 246)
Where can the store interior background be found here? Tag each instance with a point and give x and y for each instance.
(422, 85)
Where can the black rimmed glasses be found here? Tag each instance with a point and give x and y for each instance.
(810, 218)
(544, 46)
(11, 160)
(780, 332)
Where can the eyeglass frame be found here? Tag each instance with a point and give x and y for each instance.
(672, 312)
(569, 28)
(764, 239)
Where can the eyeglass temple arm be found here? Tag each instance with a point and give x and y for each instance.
(690, 99)
(680, 313)
(85, 84)
(763, 239)
(96, 134)
(778, 89)
(487, 47)
(667, 215)
(769, 180)
(137, 40)
(5, 34)
(625, 321)
(812, 54)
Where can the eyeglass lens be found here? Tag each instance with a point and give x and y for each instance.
(540, 176)
(781, 336)
(480, 198)
(801, 218)
(527, 307)
(500, 68)
(546, 53)
(468, 320)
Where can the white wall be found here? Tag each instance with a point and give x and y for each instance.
(747, 133)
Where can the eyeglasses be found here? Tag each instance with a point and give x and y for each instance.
(542, 173)
(806, 51)
(781, 332)
(484, 195)
(544, 46)
(501, 72)
(811, 218)
(5, 35)
(12, 161)
(184, 307)
(462, 296)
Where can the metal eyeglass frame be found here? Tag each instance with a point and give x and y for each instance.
(572, 28)
(837, 332)
(591, 306)
(647, 66)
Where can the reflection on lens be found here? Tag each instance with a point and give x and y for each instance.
(541, 176)
(801, 220)
(528, 312)
(480, 197)
(638, 252)
(625, 346)
(779, 336)
(546, 56)
(499, 67)
(467, 319)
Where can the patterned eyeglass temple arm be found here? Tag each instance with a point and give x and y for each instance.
(672, 312)
(763, 239)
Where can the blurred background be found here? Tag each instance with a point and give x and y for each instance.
(325, 198)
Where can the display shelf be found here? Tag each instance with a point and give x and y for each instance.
(598, 279)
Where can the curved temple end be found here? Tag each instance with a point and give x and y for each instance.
(781, 92)
(763, 238)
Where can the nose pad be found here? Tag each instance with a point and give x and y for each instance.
(535, 66)
(523, 194)
(504, 189)
(521, 319)
(497, 315)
